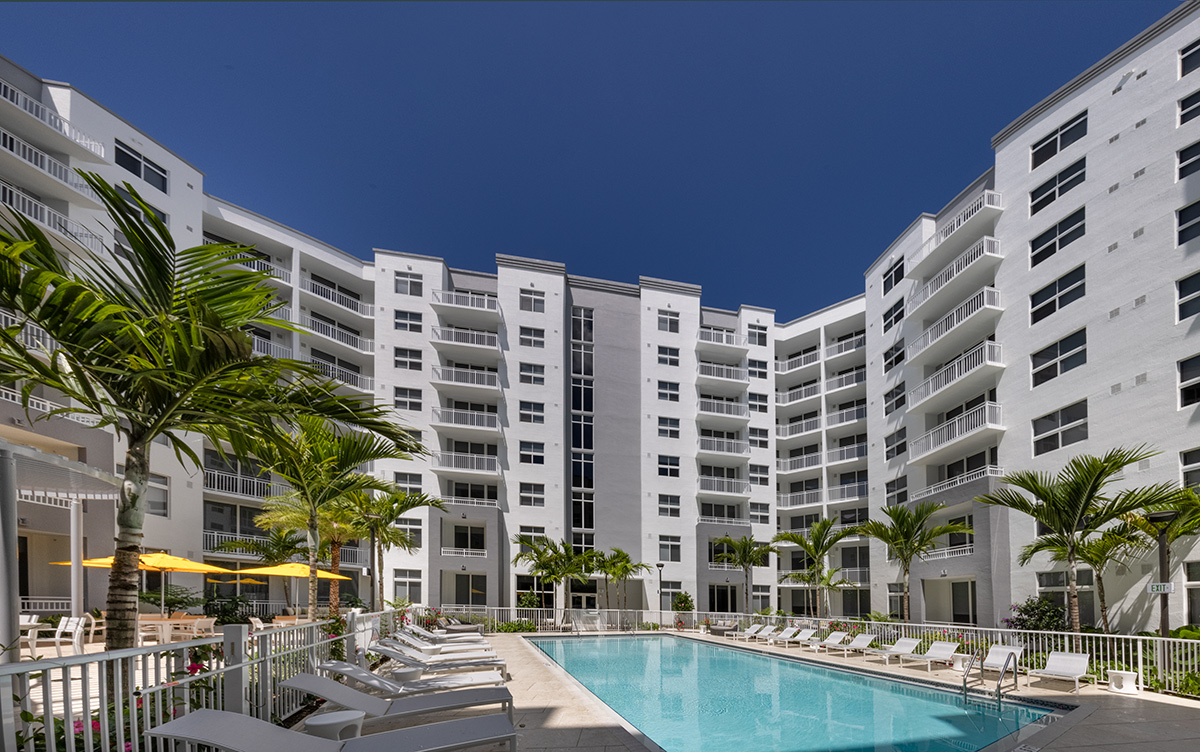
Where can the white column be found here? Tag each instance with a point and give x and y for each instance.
(76, 558)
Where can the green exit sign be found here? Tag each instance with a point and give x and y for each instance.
(1158, 588)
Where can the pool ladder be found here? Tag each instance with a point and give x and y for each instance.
(1003, 670)
(967, 672)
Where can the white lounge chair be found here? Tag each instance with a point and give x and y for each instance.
(463, 655)
(938, 652)
(447, 639)
(786, 634)
(903, 646)
(859, 643)
(833, 639)
(1066, 666)
(802, 637)
(747, 633)
(408, 658)
(419, 686)
(764, 634)
(375, 706)
(242, 733)
(995, 659)
(425, 646)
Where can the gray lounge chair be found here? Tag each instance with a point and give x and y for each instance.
(832, 640)
(803, 637)
(418, 686)
(1065, 666)
(438, 639)
(406, 642)
(859, 643)
(433, 649)
(938, 652)
(416, 660)
(903, 646)
(995, 659)
(375, 706)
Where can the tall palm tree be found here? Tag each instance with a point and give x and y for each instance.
(622, 568)
(1074, 504)
(278, 546)
(151, 342)
(909, 536)
(744, 553)
(816, 545)
(552, 561)
(531, 550)
(379, 513)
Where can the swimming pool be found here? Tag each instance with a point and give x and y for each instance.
(693, 696)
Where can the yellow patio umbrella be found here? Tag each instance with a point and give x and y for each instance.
(157, 562)
(251, 581)
(293, 569)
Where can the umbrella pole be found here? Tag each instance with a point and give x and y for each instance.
(162, 600)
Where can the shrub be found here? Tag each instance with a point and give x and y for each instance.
(1037, 615)
(520, 625)
(648, 625)
(234, 610)
(177, 598)
(683, 602)
(528, 599)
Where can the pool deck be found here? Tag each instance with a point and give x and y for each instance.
(553, 713)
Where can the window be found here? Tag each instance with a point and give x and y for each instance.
(1189, 381)
(139, 209)
(583, 470)
(668, 428)
(1189, 160)
(760, 475)
(469, 536)
(1065, 290)
(1188, 222)
(406, 359)
(759, 437)
(409, 483)
(532, 453)
(581, 395)
(1067, 134)
(894, 399)
(412, 526)
(480, 491)
(760, 597)
(582, 359)
(407, 585)
(670, 588)
(668, 390)
(408, 321)
(133, 161)
(893, 315)
(1056, 238)
(406, 399)
(581, 324)
(1189, 60)
(1188, 290)
(1191, 574)
(409, 283)
(758, 402)
(1055, 360)
(533, 494)
(896, 491)
(668, 321)
(955, 540)
(893, 275)
(757, 369)
(531, 337)
(581, 542)
(668, 505)
(1054, 585)
(1190, 462)
(531, 533)
(533, 412)
(533, 300)
(1189, 107)
(669, 548)
(668, 466)
(1060, 428)
(470, 589)
(158, 495)
(583, 510)
(668, 356)
(582, 433)
(533, 373)
(1051, 190)
(893, 356)
(757, 334)
(895, 444)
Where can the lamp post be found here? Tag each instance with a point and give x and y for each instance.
(374, 574)
(660, 568)
(1163, 520)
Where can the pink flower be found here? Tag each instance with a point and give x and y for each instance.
(128, 746)
(78, 727)
(195, 668)
(95, 725)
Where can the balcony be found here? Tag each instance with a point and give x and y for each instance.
(470, 463)
(723, 486)
(856, 575)
(799, 361)
(39, 405)
(213, 540)
(709, 445)
(81, 144)
(467, 308)
(843, 417)
(263, 346)
(353, 556)
(848, 492)
(32, 336)
(968, 433)
(846, 453)
(248, 486)
(937, 489)
(337, 334)
(792, 464)
(339, 299)
(952, 552)
(736, 521)
(465, 344)
(54, 221)
(719, 412)
(344, 375)
(49, 176)
(464, 501)
(721, 340)
(467, 420)
(974, 319)
(721, 372)
(262, 265)
(470, 553)
(951, 384)
(721, 566)
(846, 346)
(956, 235)
(798, 499)
(791, 577)
(800, 427)
(799, 394)
(465, 382)
(973, 268)
(846, 380)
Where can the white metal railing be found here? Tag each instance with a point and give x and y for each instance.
(264, 346)
(344, 375)
(242, 485)
(846, 379)
(798, 499)
(32, 335)
(789, 464)
(466, 376)
(845, 346)
(469, 502)
(991, 471)
(846, 453)
(48, 218)
(460, 461)
(39, 159)
(787, 430)
(353, 556)
(950, 553)
(987, 297)
(988, 246)
(848, 491)
(49, 117)
(722, 337)
(721, 371)
(847, 416)
(723, 485)
(465, 336)
(469, 418)
(213, 540)
(336, 297)
(726, 521)
(975, 419)
(262, 265)
(987, 353)
(725, 446)
(984, 200)
(720, 407)
(721, 566)
(857, 575)
(789, 573)
(799, 361)
(467, 300)
(40, 405)
(472, 553)
(798, 393)
(45, 604)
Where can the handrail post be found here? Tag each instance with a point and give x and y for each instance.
(237, 677)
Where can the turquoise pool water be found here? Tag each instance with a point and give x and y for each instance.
(691, 696)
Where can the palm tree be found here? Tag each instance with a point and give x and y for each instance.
(278, 546)
(816, 545)
(621, 567)
(744, 553)
(1073, 505)
(532, 551)
(552, 561)
(1114, 545)
(908, 535)
(379, 513)
(151, 342)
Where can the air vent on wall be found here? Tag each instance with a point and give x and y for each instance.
(1114, 389)
(1139, 173)
(1114, 138)
(1113, 188)
(1143, 465)
(1139, 301)
(1140, 379)
(1140, 123)
(1138, 232)
(1112, 247)
(1140, 76)
(1114, 313)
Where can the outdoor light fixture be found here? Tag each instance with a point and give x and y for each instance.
(660, 568)
(464, 567)
(1163, 520)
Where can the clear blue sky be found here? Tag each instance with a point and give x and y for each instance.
(766, 151)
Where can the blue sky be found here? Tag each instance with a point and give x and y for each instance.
(768, 152)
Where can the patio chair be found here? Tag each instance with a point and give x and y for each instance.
(71, 630)
(903, 646)
(375, 706)
(786, 634)
(800, 638)
(721, 628)
(419, 686)
(746, 634)
(859, 643)
(938, 652)
(96, 625)
(465, 655)
(194, 629)
(832, 640)
(242, 733)
(1065, 666)
(443, 638)
(416, 660)
(408, 638)
(995, 659)
(764, 634)
(453, 626)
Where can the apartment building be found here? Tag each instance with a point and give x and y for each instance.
(1047, 310)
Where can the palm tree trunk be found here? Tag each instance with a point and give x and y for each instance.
(335, 565)
(313, 540)
(287, 591)
(379, 573)
(906, 606)
(123, 579)
(1072, 592)
(746, 570)
(607, 604)
(1103, 602)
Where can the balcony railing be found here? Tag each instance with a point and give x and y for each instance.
(719, 407)
(466, 376)
(847, 416)
(471, 553)
(214, 539)
(848, 491)
(798, 499)
(48, 218)
(726, 521)
(471, 300)
(42, 161)
(354, 556)
(786, 575)
(846, 379)
(789, 464)
(950, 553)
(243, 485)
(987, 353)
(983, 200)
(464, 501)
(484, 463)
(39, 405)
(724, 485)
(799, 361)
(344, 375)
(465, 336)
(797, 394)
(724, 446)
(264, 346)
(988, 246)
(847, 453)
(337, 298)
(262, 265)
(845, 346)
(722, 566)
(722, 337)
(325, 329)
(721, 371)
(975, 419)
(987, 297)
(468, 418)
(32, 335)
(787, 430)
(856, 575)
(991, 471)
(49, 117)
